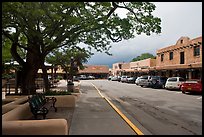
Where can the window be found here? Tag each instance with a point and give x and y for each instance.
(182, 58)
(162, 57)
(120, 66)
(197, 50)
(170, 55)
(181, 41)
(172, 79)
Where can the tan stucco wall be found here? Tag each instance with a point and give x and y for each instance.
(15, 119)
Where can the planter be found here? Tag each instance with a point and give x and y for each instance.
(65, 101)
(70, 86)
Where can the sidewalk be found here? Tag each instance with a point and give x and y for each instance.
(94, 116)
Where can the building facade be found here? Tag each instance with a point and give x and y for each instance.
(182, 59)
(136, 68)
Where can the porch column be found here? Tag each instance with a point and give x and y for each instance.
(190, 75)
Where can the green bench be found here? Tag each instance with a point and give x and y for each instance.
(40, 105)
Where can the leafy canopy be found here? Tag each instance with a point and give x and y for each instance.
(64, 58)
(50, 25)
(143, 56)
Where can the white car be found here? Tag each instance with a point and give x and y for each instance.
(174, 83)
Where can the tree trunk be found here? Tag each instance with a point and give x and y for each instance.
(28, 80)
(29, 72)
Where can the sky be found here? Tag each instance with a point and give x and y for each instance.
(177, 19)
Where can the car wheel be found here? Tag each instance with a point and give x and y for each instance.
(183, 92)
(154, 82)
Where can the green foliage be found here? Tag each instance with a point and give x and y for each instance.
(143, 56)
(54, 93)
(56, 24)
(38, 28)
(8, 76)
(63, 57)
(6, 55)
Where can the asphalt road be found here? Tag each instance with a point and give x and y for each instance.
(155, 111)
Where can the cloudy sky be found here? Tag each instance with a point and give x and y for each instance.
(177, 19)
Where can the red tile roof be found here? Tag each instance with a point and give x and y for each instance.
(95, 69)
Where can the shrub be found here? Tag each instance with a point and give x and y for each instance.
(51, 93)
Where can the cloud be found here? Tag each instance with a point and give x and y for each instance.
(178, 19)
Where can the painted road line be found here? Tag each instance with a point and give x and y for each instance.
(199, 98)
(136, 130)
(178, 92)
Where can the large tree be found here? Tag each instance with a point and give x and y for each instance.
(69, 59)
(143, 56)
(50, 25)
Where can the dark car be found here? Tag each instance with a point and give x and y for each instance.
(192, 85)
(158, 81)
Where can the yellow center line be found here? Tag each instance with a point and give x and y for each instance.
(136, 130)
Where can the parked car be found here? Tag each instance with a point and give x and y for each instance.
(115, 78)
(192, 85)
(158, 81)
(174, 83)
(124, 78)
(75, 78)
(109, 78)
(131, 79)
(91, 77)
(119, 78)
(82, 77)
(137, 80)
(145, 81)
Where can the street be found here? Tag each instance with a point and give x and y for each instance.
(154, 111)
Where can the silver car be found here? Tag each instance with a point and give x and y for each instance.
(145, 81)
(124, 79)
(137, 80)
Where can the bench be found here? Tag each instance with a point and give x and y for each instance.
(40, 105)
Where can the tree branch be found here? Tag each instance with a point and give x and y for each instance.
(112, 10)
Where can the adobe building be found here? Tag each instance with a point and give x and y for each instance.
(98, 71)
(116, 69)
(136, 68)
(142, 67)
(182, 59)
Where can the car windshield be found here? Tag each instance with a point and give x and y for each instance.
(144, 77)
(172, 79)
(155, 77)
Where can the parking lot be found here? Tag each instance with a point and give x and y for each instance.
(157, 111)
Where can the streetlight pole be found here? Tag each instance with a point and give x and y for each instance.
(72, 67)
(70, 84)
